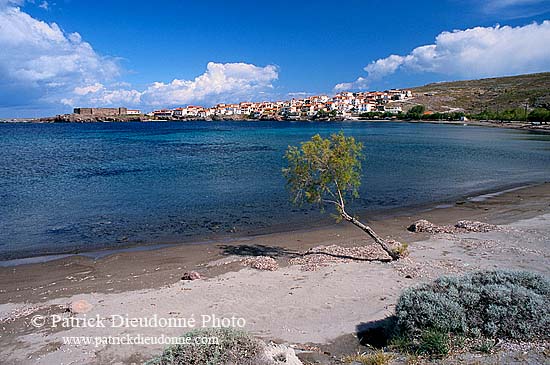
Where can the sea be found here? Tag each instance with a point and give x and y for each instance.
(71, 188)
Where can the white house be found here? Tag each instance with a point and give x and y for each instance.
(393, 109)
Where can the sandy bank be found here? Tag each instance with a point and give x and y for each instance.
(288, 305)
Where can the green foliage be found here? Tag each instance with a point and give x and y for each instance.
(321, 167)
(539, 115)
(402, 250)
(233, 347)
(415, 112)
(443, 116)
(400, 343)
(434, 342)
(517, 114)
(485, 345)
(323, 114)
(371, 115)
(493, 304)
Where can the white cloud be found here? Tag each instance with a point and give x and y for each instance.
(44, 5)
(361, 83)
(42, 61)
(40, 64)
(221, 81)
(5, 3)
(472, 53)
(99, 95)
(90, 89)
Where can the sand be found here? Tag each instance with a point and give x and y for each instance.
(288, 305)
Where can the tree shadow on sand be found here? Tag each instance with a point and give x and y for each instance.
(257, 250)
(275, 251)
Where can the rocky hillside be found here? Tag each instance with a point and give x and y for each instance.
(474, 96)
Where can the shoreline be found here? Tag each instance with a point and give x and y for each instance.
(517, 125)
(325, 223)
(141, 268)
(313, 311)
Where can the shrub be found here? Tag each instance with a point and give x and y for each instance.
(485, 346)
(233, 347)
(494, 304)
(376, 358)
(434, 342)
(539, 115)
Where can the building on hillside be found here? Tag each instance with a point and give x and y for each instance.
(101, 112)
(163, 113)
(393, 109)
(179, 113)
(133, 112)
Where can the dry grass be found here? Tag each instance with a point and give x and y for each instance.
(376, 358)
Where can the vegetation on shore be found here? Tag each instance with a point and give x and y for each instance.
(492, 95)
(418, 112)
(232, 347)
(472, 312)
(328, 171)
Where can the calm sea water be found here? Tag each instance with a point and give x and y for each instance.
(75, 187)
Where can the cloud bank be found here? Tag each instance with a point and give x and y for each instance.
(472, 53)
(220, 81)
(41, 65)
(225, 82)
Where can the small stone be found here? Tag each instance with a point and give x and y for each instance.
(475, 226)
(191, 275)
(80, 306)
(265, 263)
(423, 225)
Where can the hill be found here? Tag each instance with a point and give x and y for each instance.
(494, 94)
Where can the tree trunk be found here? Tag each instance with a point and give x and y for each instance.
(371, 233)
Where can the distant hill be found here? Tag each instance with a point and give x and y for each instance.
(495, 94)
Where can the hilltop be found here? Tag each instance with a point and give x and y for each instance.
(475, 96)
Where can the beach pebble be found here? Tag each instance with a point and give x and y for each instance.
(261, 263)
(282, 354)
(322, 256)
(423, 225)
(474, 226)
(80, 306)
(191, 275)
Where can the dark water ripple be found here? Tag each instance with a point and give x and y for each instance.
(73, 187)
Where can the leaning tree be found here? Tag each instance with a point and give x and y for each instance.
(328, 171)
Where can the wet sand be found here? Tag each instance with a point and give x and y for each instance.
(135, 270)
(288, 305)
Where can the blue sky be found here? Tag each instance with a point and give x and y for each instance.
(64, 53)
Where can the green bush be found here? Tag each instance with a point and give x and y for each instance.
(434, 342)
(415, 112)
(493, 304)
(540, 115)
(233, 347)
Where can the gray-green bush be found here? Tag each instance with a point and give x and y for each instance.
(234, 347)
(494, 304)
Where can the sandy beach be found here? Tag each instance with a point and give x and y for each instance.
(323, 308)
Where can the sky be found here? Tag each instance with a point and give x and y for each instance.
(59, 54)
